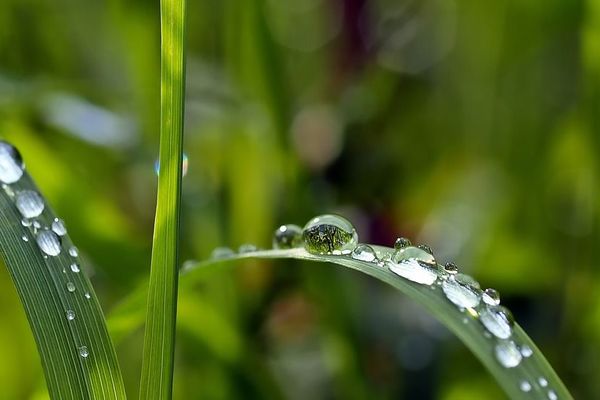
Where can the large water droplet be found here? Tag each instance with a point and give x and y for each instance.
(70, 315)
(490, 297)
(49, 243)
(58, 226)
(329, 234)
(414, 270)
(184, 171)
(29, 203)
(525, 386)
(11, 163)
(459, 289)
(222, 252)
(84, 352)
(75, 268)
(287, 237)
(508, 354)
(413, 253)
(364, 252)
(70, 287)
(497, 320)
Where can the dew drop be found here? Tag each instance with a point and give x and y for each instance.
(222, 252)
(8, 190)
(25, 238)
(542, 381)
(88, 295)
(507, 354)
(413, 253)
(11, 163)
(460, 291)
(247, 248)
(49, 243)
(287, 237)
(490, 297)
(29, 203)
(184, 171)
(70, 287)
(75, 267)
(73, 251)
(329, 234)
(401, 243)
(552, 395)
(526, 351)
(84, 352)
(58, 227)
(364, 252)
(451, 268)
(414, 270)
(525, 386)
(26, 222)
(70, 315)
(498, 320)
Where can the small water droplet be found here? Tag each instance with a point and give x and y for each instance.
(49, 243)
(73, 251)
(11, 163)
(364, 252)
(185, 166)
(84, 352)
(222, 252)
(87, 295)
(490, 297)
(413, 253)
(70, 287)
(401, 243)
(75, 267)
(29, 203)
(25, 238)
(414, 270)
(552, 395)
(526, 351)
(58, 226)
(451, 268)
(329, 234)
(507, 354)
(8, 190)
(247, 248)
(70, 315)
(287, 237)
(542, 381)
(525, 386)
(498, 320)
(460, 292)
(26, 222)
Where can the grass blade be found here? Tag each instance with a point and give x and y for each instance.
(159, 340)
(471, 332)
(77, 354)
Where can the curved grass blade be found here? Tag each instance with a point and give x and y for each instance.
(77, 354)
(159, 338)
(533, 378)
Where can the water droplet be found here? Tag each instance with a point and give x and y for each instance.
(11, 163)
(222, 252)
(490, 297)
(29, 203)
(247, 248)
(70, 315)
(451, 268)
(70, 287)
(497, 320)
(542, 381)
(364, 252)
(413, 253)
(467, 280)
(25, 238)
(58, 226)
(8, 190)
(507, 354)
(49, 243)
(526, 351)
(73, 251)
(552, 395)
(184, 171)
(414, 270)
(84, 352)
(460, 292)
(525, 386)
(401, 243)
(87, 295)
(26, 222)
(75, 267)
(329, 234)
(287, 237)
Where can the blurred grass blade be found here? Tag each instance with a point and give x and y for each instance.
(77, 354)
(531, 369)
(159, 340)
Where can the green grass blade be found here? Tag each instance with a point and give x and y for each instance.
(463, 324)
(159, 340)
(77, 354)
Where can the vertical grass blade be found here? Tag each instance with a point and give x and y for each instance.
(77, 354)
(159, 340)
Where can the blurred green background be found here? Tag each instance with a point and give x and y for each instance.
(471, 126)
